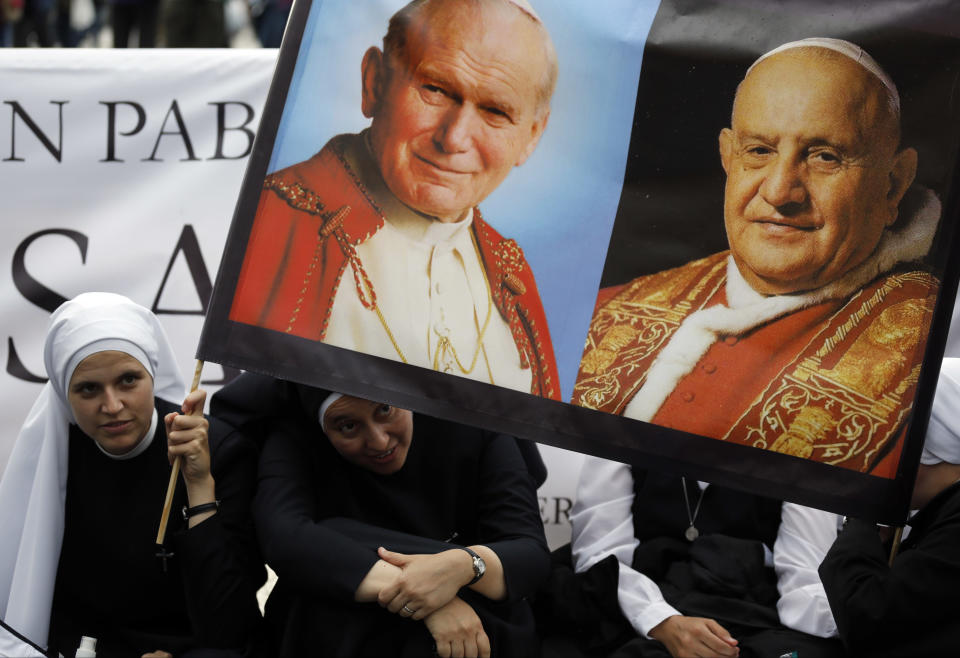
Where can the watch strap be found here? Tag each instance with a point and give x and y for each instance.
(479, 566)
(199, 509)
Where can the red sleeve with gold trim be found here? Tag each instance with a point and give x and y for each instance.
(516, 296)
(310, 218)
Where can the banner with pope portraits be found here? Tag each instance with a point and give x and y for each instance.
(710, 238)
(95, 140)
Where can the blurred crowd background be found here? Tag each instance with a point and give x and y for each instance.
(143, 23)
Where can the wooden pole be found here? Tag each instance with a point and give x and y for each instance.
(895, 546)
(175, 470)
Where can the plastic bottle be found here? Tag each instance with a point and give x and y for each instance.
(87, 648)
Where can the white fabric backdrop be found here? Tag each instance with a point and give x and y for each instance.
(115, 215)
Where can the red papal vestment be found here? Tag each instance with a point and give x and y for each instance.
(833, 381)
(304, 267)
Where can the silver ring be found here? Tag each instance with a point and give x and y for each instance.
(408, 609)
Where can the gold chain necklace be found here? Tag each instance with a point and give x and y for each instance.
(444, 343)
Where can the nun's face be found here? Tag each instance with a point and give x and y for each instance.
(111, 395)
(372, 435)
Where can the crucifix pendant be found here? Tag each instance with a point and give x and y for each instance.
(691, 533)
(163, 554)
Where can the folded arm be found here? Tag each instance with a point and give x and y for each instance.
(602, 525)
(803, 539)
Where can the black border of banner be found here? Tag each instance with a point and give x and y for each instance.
(546, 421)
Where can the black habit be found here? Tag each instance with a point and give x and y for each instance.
(910, 608)
(320, 520)
(111, 584)
(721, 575)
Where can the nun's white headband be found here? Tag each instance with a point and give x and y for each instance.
(850, 50)
(98, 321)
(327, 401)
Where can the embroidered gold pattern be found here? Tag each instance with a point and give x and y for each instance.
(597, 360)
(841, 401)
(329, 219)
(629, 331)
(846, 415)
(295, 194)
(545, 387)
(514, 284)
(317, 248)
(331, 224)
(524, 330)
(334, 226)
(510, 256)
(849, 430)
(502, 296)
(802, 434)
(878, 356)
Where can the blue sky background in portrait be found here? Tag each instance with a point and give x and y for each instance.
(560, 205)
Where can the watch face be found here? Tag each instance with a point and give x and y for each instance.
(479, 566)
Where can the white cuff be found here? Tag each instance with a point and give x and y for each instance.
(651, 616)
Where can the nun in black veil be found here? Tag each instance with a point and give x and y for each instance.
(391, 532)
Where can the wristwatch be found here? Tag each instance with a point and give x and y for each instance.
(479, 566)
(199, 509)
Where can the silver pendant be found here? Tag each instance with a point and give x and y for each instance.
(691, 533)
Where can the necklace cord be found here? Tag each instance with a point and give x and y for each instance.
(368, 298)
(686, 499)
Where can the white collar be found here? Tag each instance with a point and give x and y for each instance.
(141, 446)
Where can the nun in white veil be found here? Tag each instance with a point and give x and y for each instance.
(78, 510)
